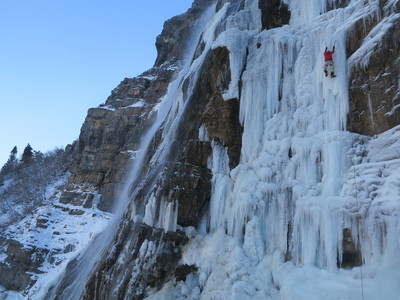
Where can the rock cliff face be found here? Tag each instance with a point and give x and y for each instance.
(24, 262)
(374, 80)
(151, 256)
(111, 133)
(186, 178)
(274, 13)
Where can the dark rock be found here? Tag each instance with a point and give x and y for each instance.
(196, 153)
(78, 195)
(69, 248)
(19, 266)
(182, 271)
(41, 223)
(88, 203)
(171, 43)
(356, 35)
(274, 13)
(188, 185)
(337, 4)
(110, 135)
(76, 212)
(220, 117)
(222, 123)
(63, 208)
(150, 256)
(375, 89)
(351, 256)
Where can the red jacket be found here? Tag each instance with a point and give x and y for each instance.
(328, 54)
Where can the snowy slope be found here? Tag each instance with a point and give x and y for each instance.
(61, 231)
(275, 225)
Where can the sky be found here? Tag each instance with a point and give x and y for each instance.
(60, 58)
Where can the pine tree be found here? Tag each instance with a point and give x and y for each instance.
(13, 154)
(27, 155)
(11, 163)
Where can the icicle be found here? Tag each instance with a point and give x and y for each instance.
(150, 211)
(168, 215)
(221, 185)
(203, 134)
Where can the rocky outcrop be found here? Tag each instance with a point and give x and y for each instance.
(374, 85)
(221, 120)
(360, 30)
(17, 270)
(274, 13)
(351, 256)
(111, 133)
(171, 43)
(186, 178)
(149, 259)
(182, 271)
(337, 4)
(85, 196)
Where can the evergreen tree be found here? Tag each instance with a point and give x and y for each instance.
(27, 155)
(11, 163)
(13, 154)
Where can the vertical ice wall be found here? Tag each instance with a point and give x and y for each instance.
(294, 148)
(306, 11)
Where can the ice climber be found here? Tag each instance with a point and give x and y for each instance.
(329, 62)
